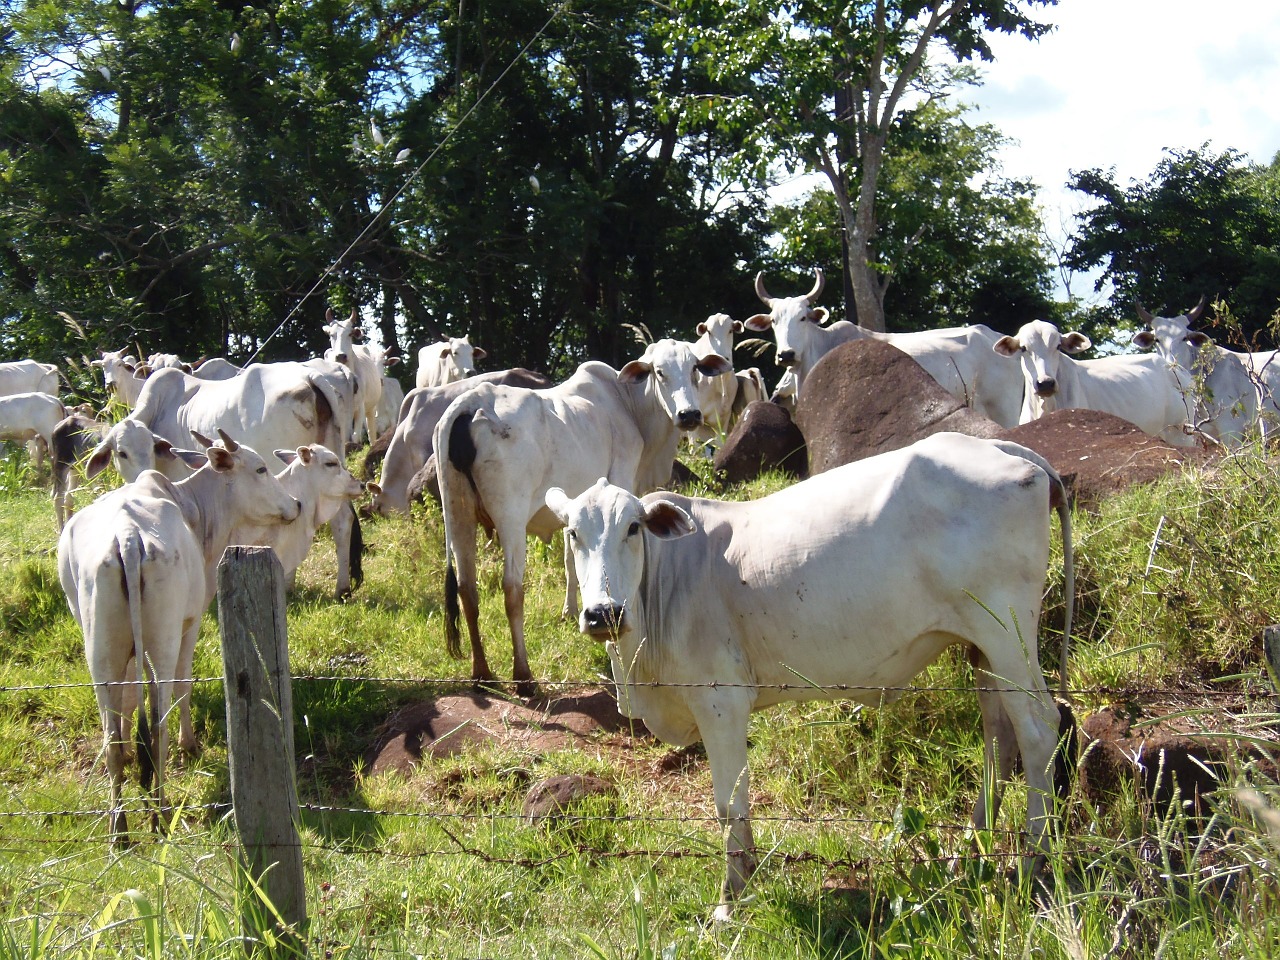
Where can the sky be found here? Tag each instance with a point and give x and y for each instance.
(1118, 81)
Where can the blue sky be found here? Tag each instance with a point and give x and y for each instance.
(1120, 80)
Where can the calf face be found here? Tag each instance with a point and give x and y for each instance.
(1039, 347)
(605, 527)
(669, 366)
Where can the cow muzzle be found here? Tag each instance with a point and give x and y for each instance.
(787, 358)
(602, 620)
(689, 419)
(340, 357)
(1046, 387)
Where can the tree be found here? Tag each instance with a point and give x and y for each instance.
(966, 247)
(1202, 224)
(820, 86)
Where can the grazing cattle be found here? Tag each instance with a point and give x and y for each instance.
(389, 405)
(216, 368)
(74, 438)
(1141, 389)
(843, 586)
(28, 376)
(368, 363)
(499, 449)
(1214, 381)
(139, 568)
(447, 361)
(121, 375)
(411, 442)
(317, 478)
(270, 406)
(959, 358)
(31, 417)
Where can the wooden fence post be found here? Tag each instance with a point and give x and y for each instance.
(259, 696)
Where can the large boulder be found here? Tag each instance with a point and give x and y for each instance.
(1100, 454)
(764, 438)
(867, 397)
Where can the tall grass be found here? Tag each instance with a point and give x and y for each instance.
(859, 813)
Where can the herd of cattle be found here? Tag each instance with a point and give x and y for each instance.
(839, 586)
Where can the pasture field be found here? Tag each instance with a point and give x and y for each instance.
(859, 814)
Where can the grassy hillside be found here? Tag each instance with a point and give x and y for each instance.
(858, 813)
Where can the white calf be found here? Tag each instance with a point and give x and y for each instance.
(31, 417)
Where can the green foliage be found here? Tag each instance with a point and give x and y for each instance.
(1203, 224)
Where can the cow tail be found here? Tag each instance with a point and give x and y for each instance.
(446, 432)
(148, 726)
(1061, 501)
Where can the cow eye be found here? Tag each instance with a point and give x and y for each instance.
(262, 469)
(634, 528)
(123, 455)
(572, 535)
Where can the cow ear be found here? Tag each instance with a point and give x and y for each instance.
(1198, 339)
(98, 460)
(1007, 346)
(712, 365)
(220, 459)
(287, 456)
(373, 487)
(1075, 342)
(163, 449)
(391, 361)
(306, 454)
(666, 521)
(142, 371)
(557, 502)
(479, 353)
(635, 371)
(701, 329)
(445, 350)
(187, 368)
(819, 315)
(737, 326)
(760, 323)
(1144, 339)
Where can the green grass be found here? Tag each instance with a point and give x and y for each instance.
(857, 811)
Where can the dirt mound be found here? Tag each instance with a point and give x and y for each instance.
(867, 397)
(445, 726)
(1105, 454)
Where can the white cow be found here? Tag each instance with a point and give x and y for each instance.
(318, 479)
(499, 449)
(31, 417)
(1141, 389)
(368, 363)
(28, 376)
(959, 358)
(121, 376)
(389, 405)
(270, 406)
(716, 395)
(139, 568)
(843, 586)
(216, 368)
(1215, 381)
(134, 449)
(447, 361)
(411, 443)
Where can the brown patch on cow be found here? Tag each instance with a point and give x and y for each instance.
(450, 725)
(867, 397)
(1099, 454)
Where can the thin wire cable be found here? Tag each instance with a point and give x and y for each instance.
(410, 179)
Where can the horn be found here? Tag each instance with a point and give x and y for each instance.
(1143, 314)
(1194, 313)
(202, 439)
(227, 442)
(761, 292)
(353, 315)
(328, 314)
(819, 280)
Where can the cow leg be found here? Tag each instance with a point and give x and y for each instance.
(1000, 745)
(570, 609)
(1034, 718)
(340, 527)
(463, 545)
(514, 555)
(113, 751)
(182, 689)
(723, 725)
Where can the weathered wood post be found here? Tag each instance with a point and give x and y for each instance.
(1271, 647)
(259, 696)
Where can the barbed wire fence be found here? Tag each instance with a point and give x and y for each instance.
(1252, 703)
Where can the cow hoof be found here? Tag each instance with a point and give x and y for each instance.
(526, 689)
